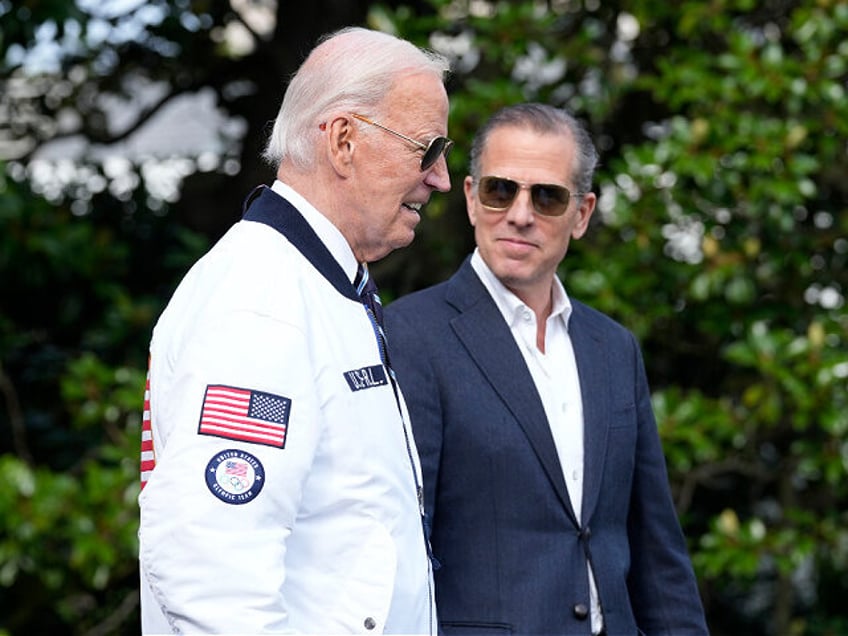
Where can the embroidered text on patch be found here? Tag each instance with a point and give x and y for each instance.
(366, 377)
(234, 476)
(246, 415)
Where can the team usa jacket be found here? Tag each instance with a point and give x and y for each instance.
(279, 475)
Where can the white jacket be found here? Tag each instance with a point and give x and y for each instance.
(314, 525)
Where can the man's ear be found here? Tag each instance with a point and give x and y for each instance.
(340, 143)
(468, 187)
(584, 214)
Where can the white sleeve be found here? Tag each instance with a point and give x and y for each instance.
(213, 552)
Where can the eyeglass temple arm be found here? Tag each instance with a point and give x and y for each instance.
(389, 130)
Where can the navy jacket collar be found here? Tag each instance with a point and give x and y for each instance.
(265, 206)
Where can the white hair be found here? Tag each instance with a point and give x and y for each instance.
(352, 69)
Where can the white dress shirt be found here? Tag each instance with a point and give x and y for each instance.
(554, 373)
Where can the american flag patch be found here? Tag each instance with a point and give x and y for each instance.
(245, 415)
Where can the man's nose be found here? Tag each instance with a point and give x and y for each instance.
(521, 211)
(438, 176)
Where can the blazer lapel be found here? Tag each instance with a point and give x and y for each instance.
(591, 356)
(494, 351)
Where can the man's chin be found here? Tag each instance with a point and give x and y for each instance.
(396, 243)
(411, 221)
(407, 240)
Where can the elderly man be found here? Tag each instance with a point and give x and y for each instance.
(281, 484)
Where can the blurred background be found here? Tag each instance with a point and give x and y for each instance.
(130, 132)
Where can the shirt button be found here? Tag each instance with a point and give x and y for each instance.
(564, 407)
(370, 623)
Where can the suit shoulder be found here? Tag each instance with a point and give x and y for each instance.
(419, 305)
(585, 316)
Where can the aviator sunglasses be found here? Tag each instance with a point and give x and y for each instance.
(548, 199)
(432, 151)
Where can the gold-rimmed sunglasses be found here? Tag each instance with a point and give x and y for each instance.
(432, 151)
(549, 199)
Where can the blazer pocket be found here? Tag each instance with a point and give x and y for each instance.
(473, 628)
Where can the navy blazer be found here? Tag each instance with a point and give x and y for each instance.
(513, 555)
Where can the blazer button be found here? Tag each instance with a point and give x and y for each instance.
(370, 623)
(581, 611)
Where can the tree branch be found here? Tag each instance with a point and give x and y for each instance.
(16, 417)
(707, 472)
(112, 623)
(96, 137)
(142, 119)
(258, 38)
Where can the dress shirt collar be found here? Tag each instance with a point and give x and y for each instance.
(329, 234)
(510, 305)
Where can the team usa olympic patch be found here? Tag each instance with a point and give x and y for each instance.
(234, 476)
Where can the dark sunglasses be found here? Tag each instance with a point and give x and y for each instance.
(548, 199)
(438, 145)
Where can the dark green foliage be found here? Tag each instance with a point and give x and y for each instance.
(721, 240)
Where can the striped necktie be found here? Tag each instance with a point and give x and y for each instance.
(367, 290)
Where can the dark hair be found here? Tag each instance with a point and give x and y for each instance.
(544, 119)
